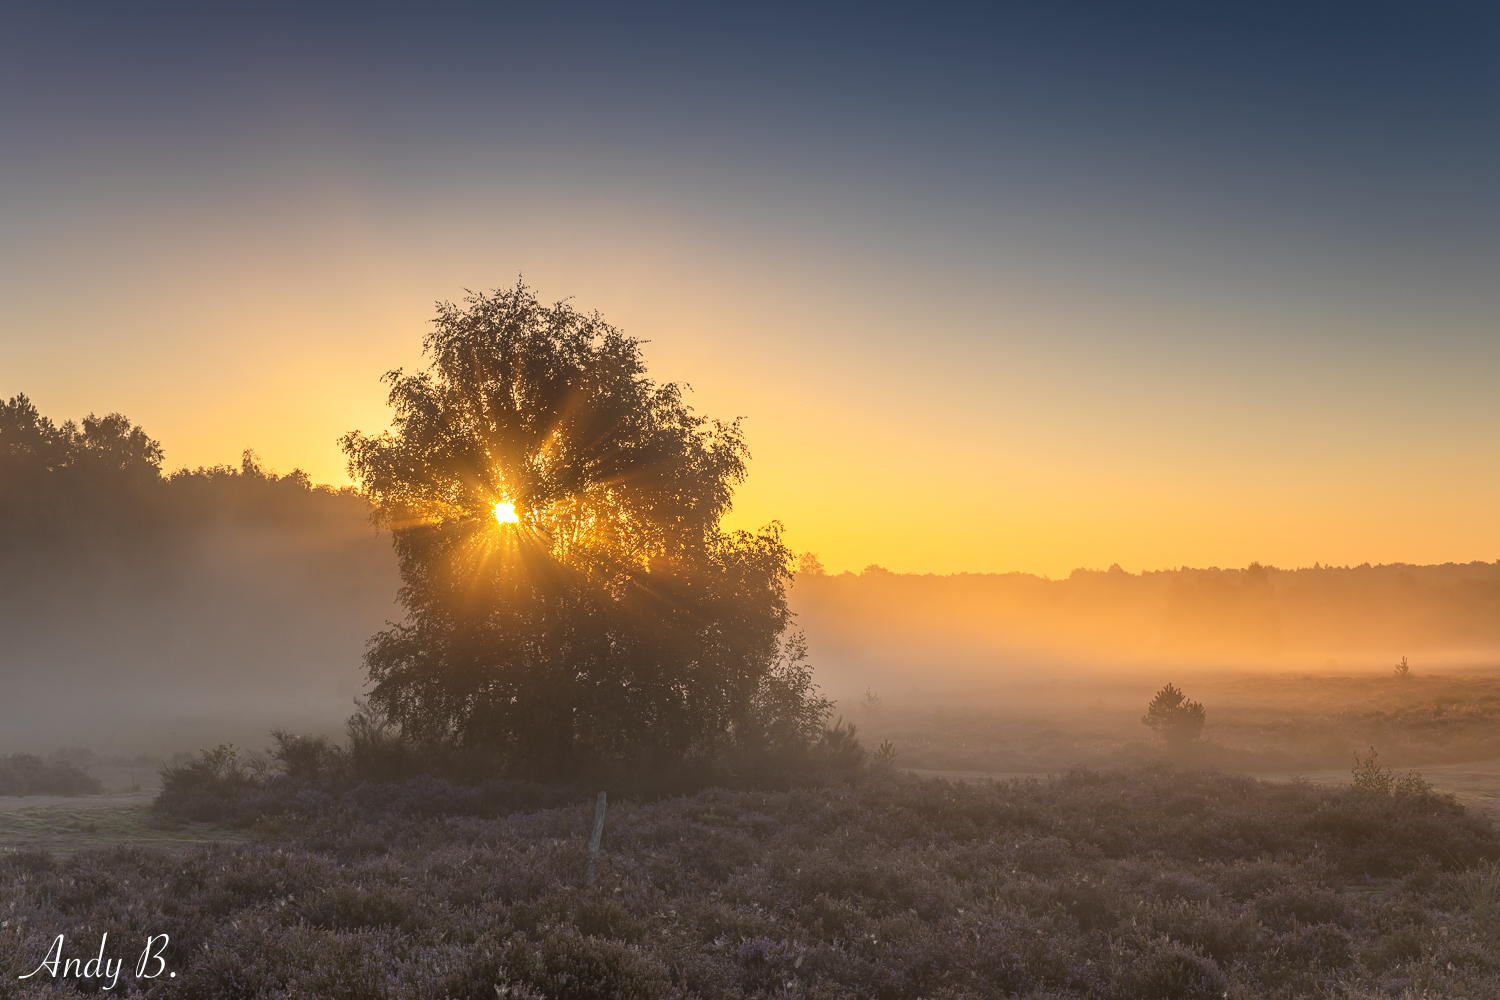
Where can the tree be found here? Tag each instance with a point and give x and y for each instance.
(70, 481)
(1177, 719)
(569, 594)
(31, 444)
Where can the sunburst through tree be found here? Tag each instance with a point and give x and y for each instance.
(570, 595)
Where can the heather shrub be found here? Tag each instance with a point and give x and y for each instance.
(1476, 893)
(1322, 944)
(1246, 879)
(1044, 856)
(1222, 933)
(884, 886)
(351, 906)
(1401, 945)
(1299, 902)
(1468, 954)
(1168, 970)
(565, 965)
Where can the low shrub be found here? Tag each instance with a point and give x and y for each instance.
(28, 774)
(1169, 970)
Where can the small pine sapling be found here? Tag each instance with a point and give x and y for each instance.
(1178, 720)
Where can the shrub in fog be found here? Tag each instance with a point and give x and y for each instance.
(1370, 778)
(28, 774)
(1178, 720)
(210, 788)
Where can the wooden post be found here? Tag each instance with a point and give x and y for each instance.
(598, 834)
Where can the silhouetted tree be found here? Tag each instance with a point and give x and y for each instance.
(808, 564)
(569, 593)
(71, 481)
(1177, 719)
(31, 444)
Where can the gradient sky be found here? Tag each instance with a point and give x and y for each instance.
(1147, 284)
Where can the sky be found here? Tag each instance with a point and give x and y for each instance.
(1026, 289)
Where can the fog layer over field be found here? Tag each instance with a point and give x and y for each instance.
(996, 636)
(232, 602)
(214, 607)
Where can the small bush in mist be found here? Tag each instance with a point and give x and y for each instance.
(1178, 720)
(1403, 670)
(1370, 778)
(28, 774)
(208, 788)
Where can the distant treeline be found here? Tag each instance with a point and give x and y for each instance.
(143, 609)
(1259, 615)
(101, 483)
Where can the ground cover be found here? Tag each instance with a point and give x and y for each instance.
(1140, 883)
(1257, 723)
(85, 823)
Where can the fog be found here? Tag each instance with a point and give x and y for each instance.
(251, 613)
(998, 637)
(247, 614)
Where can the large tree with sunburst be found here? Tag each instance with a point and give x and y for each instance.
(570, 595)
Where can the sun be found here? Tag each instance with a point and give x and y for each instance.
(505, 512)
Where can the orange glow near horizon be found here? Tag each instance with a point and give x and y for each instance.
(1048, 440)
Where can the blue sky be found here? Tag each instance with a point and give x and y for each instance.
(996, 289)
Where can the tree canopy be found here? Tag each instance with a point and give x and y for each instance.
(63, 481)
(31, 443)
(570, 595)
(93, 491)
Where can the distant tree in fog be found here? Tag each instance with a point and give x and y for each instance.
(569, 593)
(1178, 720)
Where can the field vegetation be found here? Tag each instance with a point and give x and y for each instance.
(1255, 724)
(854, 881)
